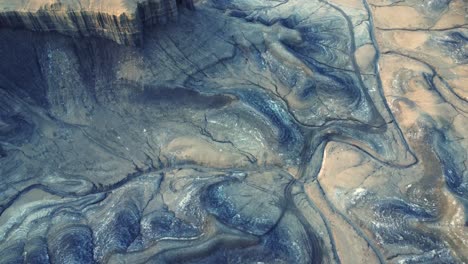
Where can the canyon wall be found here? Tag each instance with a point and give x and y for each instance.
(122, 22)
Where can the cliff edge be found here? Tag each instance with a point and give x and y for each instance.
(117, 20)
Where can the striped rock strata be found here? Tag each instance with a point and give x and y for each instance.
(120, 21)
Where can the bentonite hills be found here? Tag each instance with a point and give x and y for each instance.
(233, 131)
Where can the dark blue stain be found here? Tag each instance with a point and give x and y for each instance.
(439, 5)
(166, 224)
(238, 14)
(458, 37)
(121, 231)
(429, 78)
(398, 208)
(3, 153)
(455, 43)
(263, 20)
(125, 228)
(337, 83)
(317, 37)
(277, 242)
(15, 129)
(403, 235)
(37, 257)
(21, 72)
(160, 96)
(217, 203)
(274, 247)
(452, 170)
(310, 91)
(12, 254)
(74, 245)
(396, 214)
(341, 84)
(219, 200)
(37, 252)
(291, 22)
(289, 133)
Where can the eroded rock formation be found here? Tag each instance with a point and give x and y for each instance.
(300, 131)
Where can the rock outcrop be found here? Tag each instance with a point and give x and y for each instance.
(122, 21)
